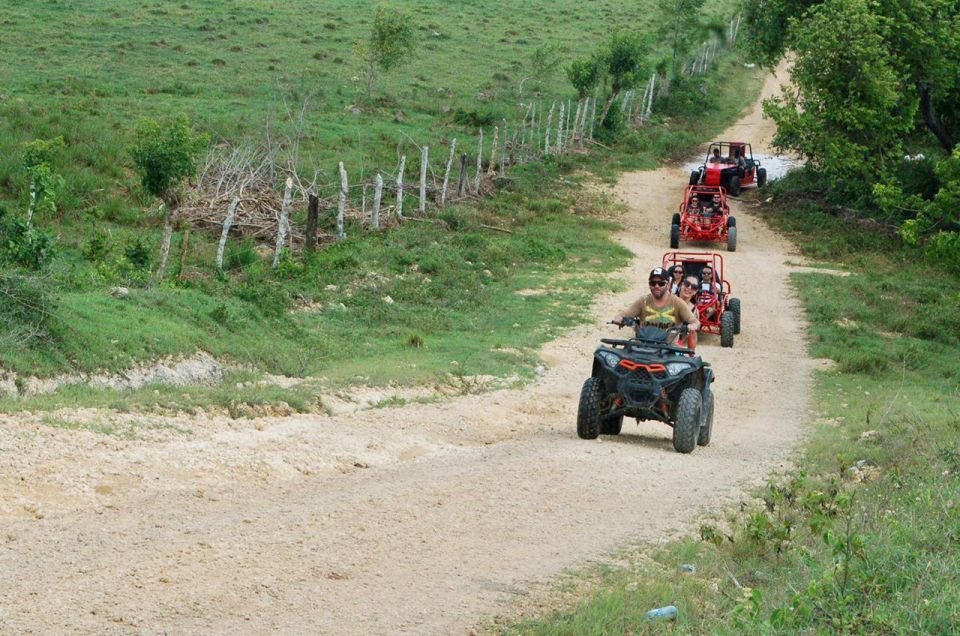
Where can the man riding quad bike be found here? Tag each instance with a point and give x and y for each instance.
(647, 378)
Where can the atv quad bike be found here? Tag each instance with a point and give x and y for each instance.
(726, 172)
(719, 312)
(704, 221)
(647, 378)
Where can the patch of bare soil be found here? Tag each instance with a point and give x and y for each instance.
(421, 520)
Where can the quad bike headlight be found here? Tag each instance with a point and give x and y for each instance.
(611, 359)
(676, 368)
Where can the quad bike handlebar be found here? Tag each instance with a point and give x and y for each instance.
(680, 330)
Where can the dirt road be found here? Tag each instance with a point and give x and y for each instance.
(417, 520)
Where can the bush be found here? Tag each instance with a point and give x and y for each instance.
(138, 253)
(268, 297)
(26, 303)
(477, 118)
(22, 245)
(613, 126)
(97, 247)
(241, 256)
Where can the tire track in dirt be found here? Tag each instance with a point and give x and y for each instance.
(418, 520)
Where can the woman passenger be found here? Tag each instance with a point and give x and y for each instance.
(688, 294)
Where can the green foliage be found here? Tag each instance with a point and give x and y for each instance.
(584, 73)
(624, 59)
(41, 151)
(544, 62)
(846, 112)
(45, 184)
(164, 153)
(684, 21)
(391, 43)
(26, 303)
(137, 252)
(23, 245)
(97, 247)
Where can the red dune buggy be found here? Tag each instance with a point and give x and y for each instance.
(704, 216)
(719, 312)
(730, 165)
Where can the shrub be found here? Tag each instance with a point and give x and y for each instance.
(23, 245)
(138, 253)
(26, 303)
(97, 247)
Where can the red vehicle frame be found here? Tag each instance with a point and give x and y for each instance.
(726, 171)
(692, 225)
(724, 319)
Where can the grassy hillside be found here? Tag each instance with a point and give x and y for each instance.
(89, 70)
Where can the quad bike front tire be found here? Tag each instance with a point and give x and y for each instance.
(589, 411)
(694, 177)
(706, 422)
(734, 186)
(761, 177)
(726, 329)
(686, 426)
(732, 238)
(611, 425)
(734, 307)
(674, 236)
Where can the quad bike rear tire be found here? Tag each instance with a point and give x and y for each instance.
(676, 219)
(674, 236)
(706, 422)
(734, 307)
(694, 177)
(726, 329)
(732, 239)
(761, 177)
(611, 425)
(686, 426)
(589, 411)
(734, 186)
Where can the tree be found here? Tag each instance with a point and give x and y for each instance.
(165, 153)
(622, 59)
(45, 184)
(846, 112)
(391, 43)
(584, 73)
(684, 16)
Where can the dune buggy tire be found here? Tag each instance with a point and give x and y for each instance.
(726, 329)
(734, 307)
(611, 425)
(686, 427)
(761, 177)
(694, 177)
(731, 222)
(676, 219)
(589, 411)
(734, 186)
(706, 421)
(674, 236)
(732, 239)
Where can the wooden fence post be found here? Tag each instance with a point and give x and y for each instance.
(165, 242)
(377, 193)
(284, 216)
(446, 173)
(546, 139)
(424, 155)
(184, 248)
(227, 222)
(403, 165)
(313, 218)
(560, 130)
(342, 203)
(593, 114)
(476, 178)
(576, 123)
(566, 132)
(492, 166)
(462, 184)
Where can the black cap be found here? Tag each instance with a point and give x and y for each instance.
(658, 272)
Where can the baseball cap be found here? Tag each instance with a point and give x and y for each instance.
(658, 272)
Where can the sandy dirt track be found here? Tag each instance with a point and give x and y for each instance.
(419, 520)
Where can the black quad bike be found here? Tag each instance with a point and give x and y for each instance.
(647, 378)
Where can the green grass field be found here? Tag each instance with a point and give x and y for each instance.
(864, 536)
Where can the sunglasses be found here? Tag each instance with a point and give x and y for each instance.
(658, 283)
(678, 272)
(689, 285)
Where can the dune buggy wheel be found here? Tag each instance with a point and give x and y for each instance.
(676, 219)
(611, 425)
(761, 177)
(674, 236)
(726, 329)
(731, 221)
(732, 238)
(687, 425)
(706, 421)
(694, 177)
(734, 307)
(591, 405)
(734, 186)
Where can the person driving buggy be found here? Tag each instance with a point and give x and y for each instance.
(660, 308)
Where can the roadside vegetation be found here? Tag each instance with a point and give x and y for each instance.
(863, 536)
(403, 306)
